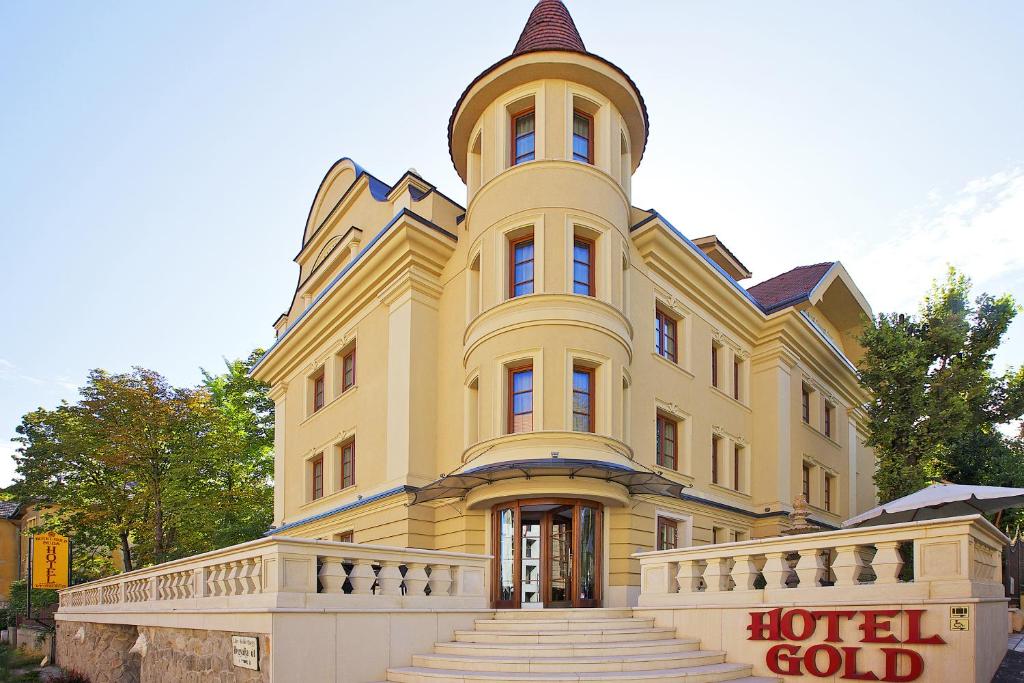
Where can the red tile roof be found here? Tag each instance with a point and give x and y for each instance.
(549, 28)
(789, 287)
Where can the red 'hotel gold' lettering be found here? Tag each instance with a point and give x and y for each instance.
(823, 660)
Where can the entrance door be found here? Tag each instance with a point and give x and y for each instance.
(547, 554)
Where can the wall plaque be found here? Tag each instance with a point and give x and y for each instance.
(245, 652)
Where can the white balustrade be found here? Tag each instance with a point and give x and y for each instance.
(955, 556)
(291, 572)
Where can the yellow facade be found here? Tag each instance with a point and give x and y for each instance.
(418, 287)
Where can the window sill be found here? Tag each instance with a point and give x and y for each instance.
(345, 394)
(729, 397)
(674, 475)
(335, 494)
(672, 364)
(730, 491)
(827, 439)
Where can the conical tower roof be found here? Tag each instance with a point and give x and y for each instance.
(550, 27)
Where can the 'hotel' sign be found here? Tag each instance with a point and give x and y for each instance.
(825, 659)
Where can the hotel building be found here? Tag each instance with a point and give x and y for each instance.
(542, 371)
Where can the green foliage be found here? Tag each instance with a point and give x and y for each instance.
(154, 471)
(19, 600)
(937, 404)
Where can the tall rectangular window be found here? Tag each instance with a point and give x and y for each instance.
(582, 137)
(318, 476)
(521, 266)
(736, 379)
(714, 365)
(348, 464)
(318, 391)
(828, 493)
(828, 420)
(668, 534)
(582, 399)
(714, 458)
(345, 537)
(348, 370)
(805, 403)
(667, 434)
(583, 267)
(737, 465)
(665, 335)
(520, 399)
(806, 482)
(523, 141)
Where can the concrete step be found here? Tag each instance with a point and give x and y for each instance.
(590, 635)
(593, 624)
(584, 649)
(566, 613)
(708, 673)
(527, 662)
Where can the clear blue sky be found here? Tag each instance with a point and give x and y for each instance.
(158, 159)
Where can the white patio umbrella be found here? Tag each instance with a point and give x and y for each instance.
(941, 500)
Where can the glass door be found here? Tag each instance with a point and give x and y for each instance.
(547, 554)
(559, 580)
(506, 558)
(588, 567)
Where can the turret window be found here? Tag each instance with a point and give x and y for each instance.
(523, 137)
(520, 399)
(582, 137)
(521, 270)
(582, 399)
(583, 267)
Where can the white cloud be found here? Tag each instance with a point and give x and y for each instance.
(979, 229)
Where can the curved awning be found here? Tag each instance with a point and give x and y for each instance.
(458, 484)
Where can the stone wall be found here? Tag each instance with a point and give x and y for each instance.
(100, 651)
(179, 655)
(115, 653)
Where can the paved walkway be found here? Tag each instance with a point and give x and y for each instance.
(1012, 670)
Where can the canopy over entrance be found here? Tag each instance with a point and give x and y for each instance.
(636, 482)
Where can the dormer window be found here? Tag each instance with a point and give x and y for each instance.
(582, 137)
(523, 138)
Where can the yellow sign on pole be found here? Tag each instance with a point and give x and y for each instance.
(51, 558)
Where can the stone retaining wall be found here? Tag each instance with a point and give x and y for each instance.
(101, 651)
(116, 653)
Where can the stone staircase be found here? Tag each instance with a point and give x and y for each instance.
(571, 645)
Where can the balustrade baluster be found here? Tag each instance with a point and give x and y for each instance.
(441, 580)
(847, 566)
(888, 562)
(717, 575)
(332, 575)
(810, 569)
(361, 578)
(744, 573)
(776, 570)
(690, 575)
(415, 578)
(389, 578)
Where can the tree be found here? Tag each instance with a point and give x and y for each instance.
(937, 404)
(156, 471)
